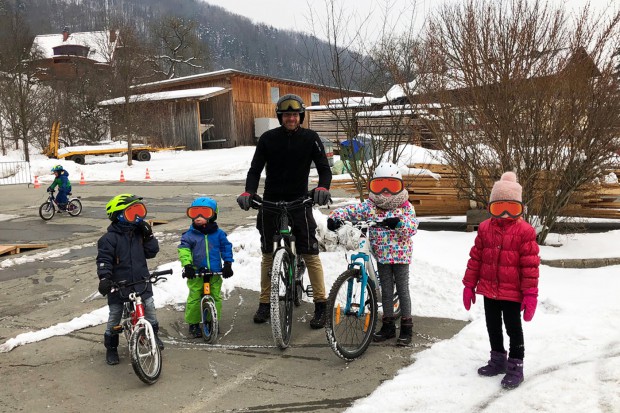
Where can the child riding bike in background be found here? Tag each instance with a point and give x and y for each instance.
(392, 246)
(203, 247)
(121, 256)
(61, 181)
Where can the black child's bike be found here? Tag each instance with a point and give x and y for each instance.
(48, 209)
(286, 272)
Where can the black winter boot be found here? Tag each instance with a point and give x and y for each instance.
(263, 313)
(406, 327)
(111, 344)
(388, 330)
(319, 315)
(195, 331)
(160, 343)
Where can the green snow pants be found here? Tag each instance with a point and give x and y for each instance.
(192, 307)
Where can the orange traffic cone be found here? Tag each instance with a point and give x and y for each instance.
(148, 176)
(36, 182)
(82, 181)
(122, 177)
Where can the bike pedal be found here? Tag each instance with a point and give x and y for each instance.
(117, 329)
(309, 291)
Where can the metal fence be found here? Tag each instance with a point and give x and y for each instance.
(17, 172)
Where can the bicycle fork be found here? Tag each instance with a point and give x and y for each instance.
(138, 320)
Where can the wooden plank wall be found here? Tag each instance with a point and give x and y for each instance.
(252, 99)
(430, 196)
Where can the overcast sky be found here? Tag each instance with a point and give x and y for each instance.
(296, 15)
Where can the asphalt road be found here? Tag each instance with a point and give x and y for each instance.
(243, 371)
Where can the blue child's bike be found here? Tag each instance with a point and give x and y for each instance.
(352, 305)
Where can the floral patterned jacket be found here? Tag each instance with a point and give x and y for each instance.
(389, 246)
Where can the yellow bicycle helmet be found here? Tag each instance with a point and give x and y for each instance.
(119, 203)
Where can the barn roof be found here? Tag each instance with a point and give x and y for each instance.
(196, 94)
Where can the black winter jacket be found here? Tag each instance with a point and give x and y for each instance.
(122, 255)
(287, 157)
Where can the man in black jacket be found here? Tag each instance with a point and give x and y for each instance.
(286, 153)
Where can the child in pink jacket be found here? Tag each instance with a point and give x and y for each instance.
(503, 267)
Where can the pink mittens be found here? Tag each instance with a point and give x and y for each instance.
(469, 297)
(529, 305)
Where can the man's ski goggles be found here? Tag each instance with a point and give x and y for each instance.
(391, 185)
(200, 211)
(134, 212)
(289, 105)
(513, 209)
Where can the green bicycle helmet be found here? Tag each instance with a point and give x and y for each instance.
(58, 168)
(119, 203)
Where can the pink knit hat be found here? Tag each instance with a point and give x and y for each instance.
(506, 188)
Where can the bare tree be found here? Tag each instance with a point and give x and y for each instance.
(132, 64)
(354, 60)
(180, 50)
(524, 87)
(23, 100)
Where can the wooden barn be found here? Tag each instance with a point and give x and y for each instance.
(216, 109)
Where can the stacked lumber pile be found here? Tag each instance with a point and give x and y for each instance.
(432, 196)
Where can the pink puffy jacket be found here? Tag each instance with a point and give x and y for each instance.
(503, 263)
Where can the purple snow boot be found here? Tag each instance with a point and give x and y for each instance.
(514, 374)
(496, 365)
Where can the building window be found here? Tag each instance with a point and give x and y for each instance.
(315, 99)
(275, 94)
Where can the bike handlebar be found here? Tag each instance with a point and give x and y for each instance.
(154, 278)
(304, 201)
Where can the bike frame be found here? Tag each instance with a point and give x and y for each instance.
(137, 319)
(363, 260)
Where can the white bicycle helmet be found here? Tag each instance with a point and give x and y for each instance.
(387, 170)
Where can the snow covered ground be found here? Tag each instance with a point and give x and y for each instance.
(572, 345)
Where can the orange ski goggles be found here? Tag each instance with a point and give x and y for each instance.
(513, 209)
(134, 212)
(391, 185)
(200, 211)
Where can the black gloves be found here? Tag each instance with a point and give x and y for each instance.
(49, 189)
(333, 224)
(189, 272)
(227, 271)
(145, 229)
(245, 200)
(391, 222)
(105, 286)
(321, 196)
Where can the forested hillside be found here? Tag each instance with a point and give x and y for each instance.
(233, 41)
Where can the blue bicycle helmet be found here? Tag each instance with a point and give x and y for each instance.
(57, 168)
(206, 202)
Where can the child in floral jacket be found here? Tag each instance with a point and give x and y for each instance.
(392, 246)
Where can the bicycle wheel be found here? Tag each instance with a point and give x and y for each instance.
(145, 358)
(349, 333)
(74, 207)
(47, 211)
(281, 299)
(209, 324)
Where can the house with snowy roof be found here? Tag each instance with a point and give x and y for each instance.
(67, 55)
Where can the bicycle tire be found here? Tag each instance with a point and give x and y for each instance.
(349, 334)
(145, 362)
(47, 211)
(209, 322)
(74, 207)
(281, 299)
